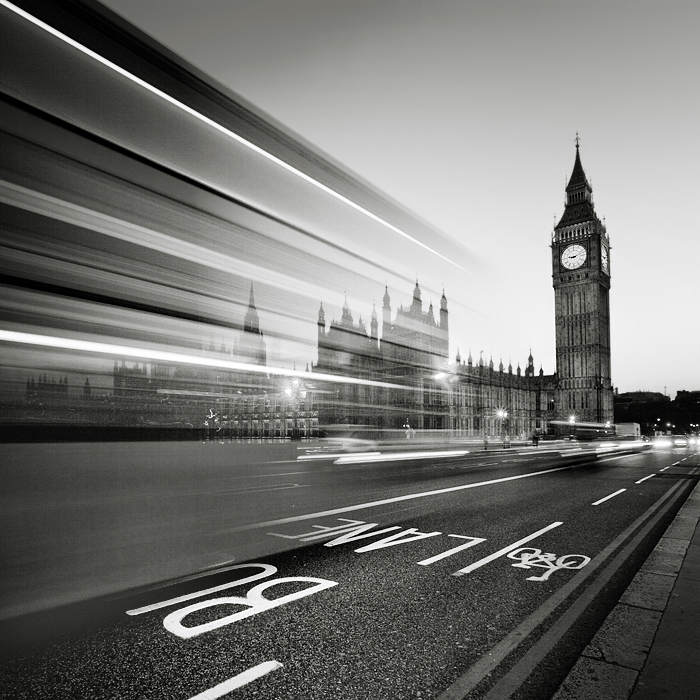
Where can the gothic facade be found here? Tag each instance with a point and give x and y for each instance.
(417, 385)
(397, 376)
(228, 403)
(469, 399)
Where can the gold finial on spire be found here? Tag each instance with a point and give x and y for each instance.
(577, 139)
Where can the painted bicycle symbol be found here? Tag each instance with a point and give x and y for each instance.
(529, 557)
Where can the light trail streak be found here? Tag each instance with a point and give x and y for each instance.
(52, 207)
(395, 456)
(92, 346)
(218, 127)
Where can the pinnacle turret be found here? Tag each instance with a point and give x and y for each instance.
(251, 322)
(579, 195)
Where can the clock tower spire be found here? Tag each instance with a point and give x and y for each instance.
(581, 280)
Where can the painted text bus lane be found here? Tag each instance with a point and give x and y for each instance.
(181, 612)
(350, 531)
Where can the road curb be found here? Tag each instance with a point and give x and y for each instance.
(609, 668)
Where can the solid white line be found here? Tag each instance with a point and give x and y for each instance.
(411, 496)
(261, 476)
(238, 681)
(265, 489)
(612, 495)
(492, 658)
(644, 479)
(505, 550)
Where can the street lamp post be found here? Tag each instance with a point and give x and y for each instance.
(296, 393)
(502, 415)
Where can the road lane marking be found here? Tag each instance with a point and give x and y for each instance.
(267, 570)
(265, 489)
(396, 499)
(530, 556)
(260, 476)
(612, 495)
(359, 530)
(238, 681)
(350, 532)
(254, 601)
(454, 550)
(664, 469)
(410, 535)
(491, 659)
(644, 479)
(505, 550)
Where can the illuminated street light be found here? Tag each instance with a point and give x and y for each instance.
(296, 392)
(502, 414)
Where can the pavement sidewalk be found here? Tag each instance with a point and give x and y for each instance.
(648, 648)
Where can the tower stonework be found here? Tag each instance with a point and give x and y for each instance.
(581, 280)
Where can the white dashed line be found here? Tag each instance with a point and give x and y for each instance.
(644, 479)
(612, 495)
(238, 681)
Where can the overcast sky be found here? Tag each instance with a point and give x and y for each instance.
(466, 114)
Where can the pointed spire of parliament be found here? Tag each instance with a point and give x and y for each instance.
(346, 318)
(251, 322)
(416, 293)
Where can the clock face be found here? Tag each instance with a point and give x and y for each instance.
(573, 256)
(604, 258)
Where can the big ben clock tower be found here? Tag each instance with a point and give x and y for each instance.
(581, 280)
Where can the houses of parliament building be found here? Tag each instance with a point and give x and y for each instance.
(467, 398)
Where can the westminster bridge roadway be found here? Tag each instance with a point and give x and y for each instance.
(419, 577)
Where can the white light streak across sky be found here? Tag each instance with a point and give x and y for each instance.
(126, 351)
(227, 132)
(466, 113)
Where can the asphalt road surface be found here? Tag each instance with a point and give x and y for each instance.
(457, 576)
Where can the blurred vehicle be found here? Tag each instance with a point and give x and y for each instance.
(662, 441)
(680, 441)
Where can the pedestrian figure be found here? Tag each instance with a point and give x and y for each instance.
(535, 440)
